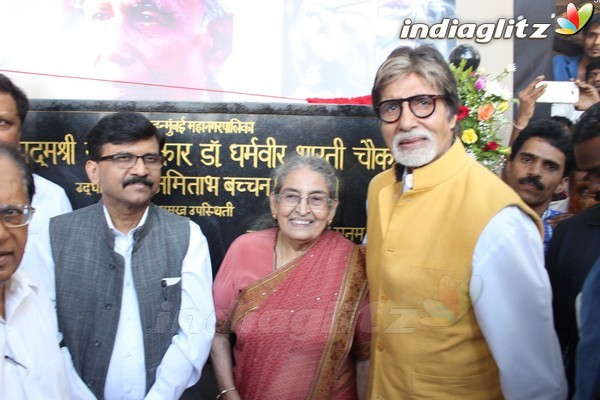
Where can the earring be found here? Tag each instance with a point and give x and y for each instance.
(274, 216)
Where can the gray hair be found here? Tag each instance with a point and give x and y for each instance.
(14, 154)
(316, 164)
(426, 62)
(214, 9)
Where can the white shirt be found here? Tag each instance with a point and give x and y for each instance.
(512, 299)
(36, 367)
(566, 110)
(560, 205)
(181, 366)
(126, 376)
(49, 201)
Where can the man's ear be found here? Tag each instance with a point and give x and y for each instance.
(563, 186)
(508, 166)
(453, 121)
(91, 169)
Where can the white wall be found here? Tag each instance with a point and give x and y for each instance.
(498, 53)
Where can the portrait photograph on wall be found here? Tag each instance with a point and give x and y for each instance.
(206, 50)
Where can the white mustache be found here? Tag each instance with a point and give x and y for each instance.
(414, 134)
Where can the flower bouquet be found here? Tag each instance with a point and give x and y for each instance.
(481, 113)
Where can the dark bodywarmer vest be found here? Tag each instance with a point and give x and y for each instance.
(89, 285)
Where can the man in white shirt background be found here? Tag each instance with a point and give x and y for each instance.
(540, 162)
(49, 199)
(32, 366)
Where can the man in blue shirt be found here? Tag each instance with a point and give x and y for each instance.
(573, 67)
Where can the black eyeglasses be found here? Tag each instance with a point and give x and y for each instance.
(128, 160)
(422, 106)
(15, 215)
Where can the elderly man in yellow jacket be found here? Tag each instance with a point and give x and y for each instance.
(461, 301)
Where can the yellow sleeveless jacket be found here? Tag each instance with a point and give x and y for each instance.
(426, 342)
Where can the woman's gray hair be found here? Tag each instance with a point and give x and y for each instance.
(426, 62)
(316, 164)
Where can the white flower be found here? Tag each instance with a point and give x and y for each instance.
(493, 88)
(506, 94)
(510, 68)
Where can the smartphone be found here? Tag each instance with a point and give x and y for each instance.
(559, 92)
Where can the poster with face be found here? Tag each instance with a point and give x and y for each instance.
(205, 50)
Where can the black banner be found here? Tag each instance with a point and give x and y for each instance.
(219, 156)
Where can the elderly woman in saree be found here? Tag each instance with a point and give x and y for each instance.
(291, 300)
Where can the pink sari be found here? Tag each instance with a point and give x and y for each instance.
(297, 329)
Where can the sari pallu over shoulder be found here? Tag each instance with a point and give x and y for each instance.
(295, 327)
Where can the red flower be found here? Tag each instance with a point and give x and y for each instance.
(463, 111)
(491, 146)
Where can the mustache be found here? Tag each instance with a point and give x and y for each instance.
(137, 179)
(413, 134)
(535, 180)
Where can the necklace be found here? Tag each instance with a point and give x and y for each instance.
(277, 256)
